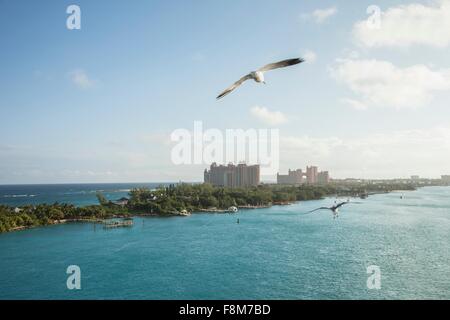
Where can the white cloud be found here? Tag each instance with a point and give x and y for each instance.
(310, 56)
(350, 54)
(387, 155)
(355, 104)
(81, 79)
(382, 84)
(271, 118)
(406, 25)
(320, 15)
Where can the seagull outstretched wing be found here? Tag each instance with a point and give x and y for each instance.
(234, 86)
(281, 64)
(321, 208)
(341, 204)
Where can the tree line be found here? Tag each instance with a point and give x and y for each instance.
(169, 200)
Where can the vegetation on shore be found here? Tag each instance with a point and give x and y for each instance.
(175, 198)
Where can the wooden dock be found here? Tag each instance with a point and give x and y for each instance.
(110, 224)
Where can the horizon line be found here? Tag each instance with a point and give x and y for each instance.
(175, 182)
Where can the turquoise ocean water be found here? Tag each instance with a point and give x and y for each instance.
(274, 253)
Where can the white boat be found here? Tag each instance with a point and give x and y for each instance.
(232, 209)
(185, 213)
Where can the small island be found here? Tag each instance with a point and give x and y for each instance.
(183, 199)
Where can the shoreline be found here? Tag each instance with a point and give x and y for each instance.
(207, 211)
(121, 212)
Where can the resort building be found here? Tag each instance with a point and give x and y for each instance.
(232, 176)
(311, 175)
(445, 178)
(294, 177)
(297, 177)
(323, 177)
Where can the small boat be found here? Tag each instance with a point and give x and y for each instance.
(232, 209)
(184, 213)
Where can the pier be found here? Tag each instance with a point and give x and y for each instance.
(109, 224)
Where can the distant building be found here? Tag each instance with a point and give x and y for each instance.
(293, 177)
(323, 177)
(311, 176)
(445, 178)
(232, 176)
(122, 202)
(415, 177)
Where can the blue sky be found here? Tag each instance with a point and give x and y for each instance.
(98, 104)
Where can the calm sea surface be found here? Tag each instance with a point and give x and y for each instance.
(274, 253)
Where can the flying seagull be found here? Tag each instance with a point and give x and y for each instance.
(258, 75)
(334, 209)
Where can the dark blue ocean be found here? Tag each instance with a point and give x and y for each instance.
(77, 194)
(274, 253)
